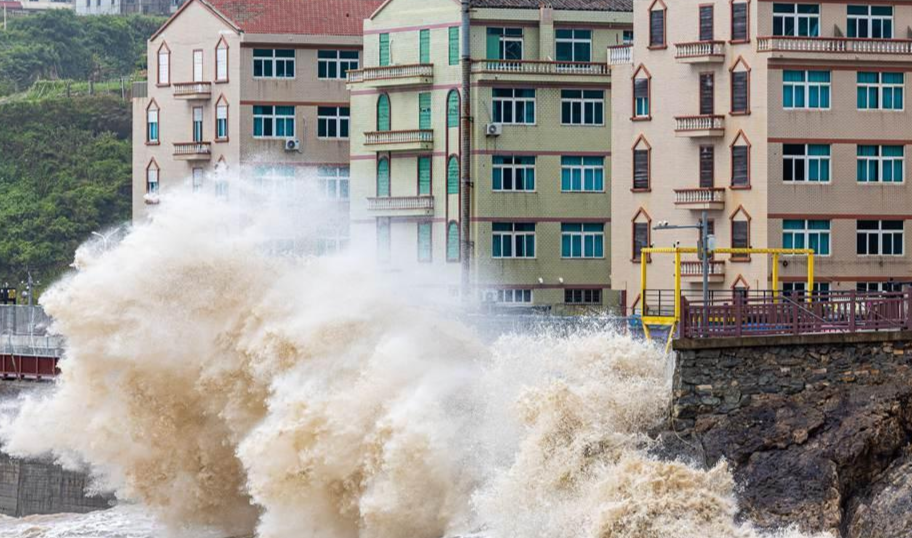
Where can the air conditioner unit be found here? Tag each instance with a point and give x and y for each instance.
(292, 144)
(494, 129)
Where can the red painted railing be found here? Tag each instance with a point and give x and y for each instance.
(28, 367)
(793, 314)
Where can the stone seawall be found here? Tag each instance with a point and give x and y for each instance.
(717, 377)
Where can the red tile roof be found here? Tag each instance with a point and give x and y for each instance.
(310, 17)
(10, 5)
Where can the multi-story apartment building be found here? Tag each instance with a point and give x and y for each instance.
(126, 7)
(785, 121)
(540, 144)
(256, 88)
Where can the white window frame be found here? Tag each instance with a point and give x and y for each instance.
(350, 64)
(515, 169)
(278, 180)
(882, 161)
(881, 235)
(583, 293)
(504, 39)
(584, 103)
(153, 178)
(334, 182)
(513, 103)
(573, 41)
(198, 174)
(879, 287)
(198, 66)
(221, 62)
(290, 64)
(796, 18)
(583, 168)
(871, 19)
(513, 236)
(221, 119)
(152, 115)
(805, 87)
(806, 232)
(164, 67)
(510, 297)
(583, 235)
(273, 118)
(198, 124)
(807, 159)
(332, 241)
(880, 86)
(337, 118)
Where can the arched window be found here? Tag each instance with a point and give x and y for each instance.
(221, 61)
(152, 177)
(383, 177)
(164, 65)
(453, 109)
(152, 123)
(453, 175)
(383, 112)
(452, 245)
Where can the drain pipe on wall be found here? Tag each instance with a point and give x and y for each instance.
(465, 154)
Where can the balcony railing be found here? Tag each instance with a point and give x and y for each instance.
(398, 137)
(620, 55)
(699, 196)
(695, 268)
(401, 203)
(699, 123)
(535, 67)
(192, 149)
(834, 45)
(391, 72)
(699, 49)
(191, 89)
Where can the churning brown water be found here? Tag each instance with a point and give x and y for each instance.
(215, 386)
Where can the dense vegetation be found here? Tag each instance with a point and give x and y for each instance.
(59, 45)
(64, 162)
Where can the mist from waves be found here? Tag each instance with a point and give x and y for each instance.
(217, 386)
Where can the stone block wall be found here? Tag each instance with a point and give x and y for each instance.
(719, 376)
(33, 487)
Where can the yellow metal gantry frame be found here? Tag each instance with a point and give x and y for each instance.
(677, 251)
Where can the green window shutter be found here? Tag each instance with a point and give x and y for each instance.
(453, 176)
(383, 112)
(454, 45)
(424, 176)
(383, 178)
(424, 47)
(424, 241)
(453, 109)
(424, 110)
(452, 246)
(384, 49)
(493, 46)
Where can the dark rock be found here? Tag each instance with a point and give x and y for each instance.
(885, 510)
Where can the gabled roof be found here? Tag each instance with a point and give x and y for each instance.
(309, 17)
(305, 17)
(573, 5)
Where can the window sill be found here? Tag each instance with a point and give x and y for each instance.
(739, 41)
(153, 143)
(641, 118)
(740, 187)
(220, 140)
(157, 85)
(221, 81)
(657, 47)
(739, 260)
(740, 113)
(638, 260)
(641, 190)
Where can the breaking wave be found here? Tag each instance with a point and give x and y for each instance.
(221, 387)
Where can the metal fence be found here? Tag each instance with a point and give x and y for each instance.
(24, 330)
(795, 314)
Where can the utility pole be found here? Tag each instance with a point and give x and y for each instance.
(465, 154)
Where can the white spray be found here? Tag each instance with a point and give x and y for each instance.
(218, 386)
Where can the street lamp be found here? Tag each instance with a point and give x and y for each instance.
(104, 238)
(703, 249)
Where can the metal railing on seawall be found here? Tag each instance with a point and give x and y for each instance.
(24, 331)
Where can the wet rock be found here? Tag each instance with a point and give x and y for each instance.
(885, 510)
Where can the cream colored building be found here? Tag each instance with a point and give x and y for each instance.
(786, 122)
(540, 145)
(251, 91)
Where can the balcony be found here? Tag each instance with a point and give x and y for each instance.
(193, 91)
(402, 205)
(412, 140)
(834, 45)
(700, 52)
(710, 199)
(393, 75)
(192, 151)
(703, 126)
(535, 71)
(620, 55)
(693, 271)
